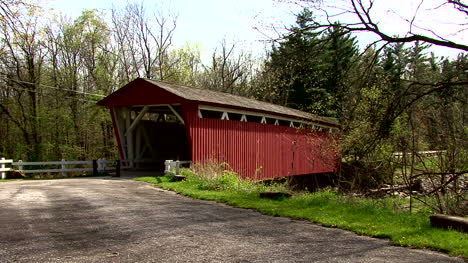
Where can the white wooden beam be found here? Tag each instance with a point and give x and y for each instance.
(137, 119)
(225, 116)
(266, 115)
(176, 114)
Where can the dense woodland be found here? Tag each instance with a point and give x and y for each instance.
(394, 96)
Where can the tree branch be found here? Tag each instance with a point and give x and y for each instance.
(366, 24)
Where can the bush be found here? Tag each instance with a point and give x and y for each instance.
(214, 176)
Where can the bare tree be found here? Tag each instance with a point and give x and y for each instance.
(230, 70)
(361, 16)
(143, 41)
(126, 53)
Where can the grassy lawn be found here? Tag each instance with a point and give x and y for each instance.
(360, 215)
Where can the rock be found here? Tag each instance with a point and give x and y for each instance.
(449, 222)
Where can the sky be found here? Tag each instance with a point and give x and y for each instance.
(248, 22)
(206, 22)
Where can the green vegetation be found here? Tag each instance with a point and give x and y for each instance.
(375, 218)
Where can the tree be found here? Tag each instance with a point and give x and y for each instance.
(143, 41)
(362, 17)
(187, 65)
(52, 71)
(230, 70)
(309, 68)
(22, 60)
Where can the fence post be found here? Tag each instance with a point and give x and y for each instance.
(117, 168)
(103, 165)
(63, 168)
(167, 166)
(95, 168)
(20, 166)
(2, 166)
(177, 167)
(98, 165)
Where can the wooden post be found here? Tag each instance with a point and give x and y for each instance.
(103, 165)
(120, 121)
(63, 168)
(2, 167)
(117, 168)
(167, 165)
(20, 166)
(129, 136)
(177, 167)
(99, 165)
(95, 168)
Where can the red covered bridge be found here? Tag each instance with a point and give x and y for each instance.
(156, 121)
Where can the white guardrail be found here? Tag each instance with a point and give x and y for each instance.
(421, 153)
(173, 167)
(97, 166)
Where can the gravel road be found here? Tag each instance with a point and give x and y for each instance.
(120, 220)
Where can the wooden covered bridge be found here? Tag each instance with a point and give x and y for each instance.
(156, 121)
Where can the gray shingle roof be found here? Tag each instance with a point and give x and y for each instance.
(221, 98)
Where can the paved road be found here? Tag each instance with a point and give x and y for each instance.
(117, 220)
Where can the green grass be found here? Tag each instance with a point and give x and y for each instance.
(360, 215)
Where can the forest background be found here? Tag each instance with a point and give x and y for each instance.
(390, 96)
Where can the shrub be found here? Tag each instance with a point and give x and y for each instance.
(215, 176)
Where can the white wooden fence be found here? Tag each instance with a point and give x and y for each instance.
(173, 167)
(3, 168)
(97, 166)
(399, 155)
(100, 165)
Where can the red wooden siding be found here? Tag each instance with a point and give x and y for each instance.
(259, 151)
(254, 150)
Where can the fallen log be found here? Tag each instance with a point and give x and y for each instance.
(449, 222)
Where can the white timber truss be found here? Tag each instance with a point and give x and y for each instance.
(294, 123)
(134, 138)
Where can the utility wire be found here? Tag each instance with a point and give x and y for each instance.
(52, 87)
(50, 95)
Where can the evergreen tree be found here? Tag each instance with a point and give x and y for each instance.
(310, 67)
